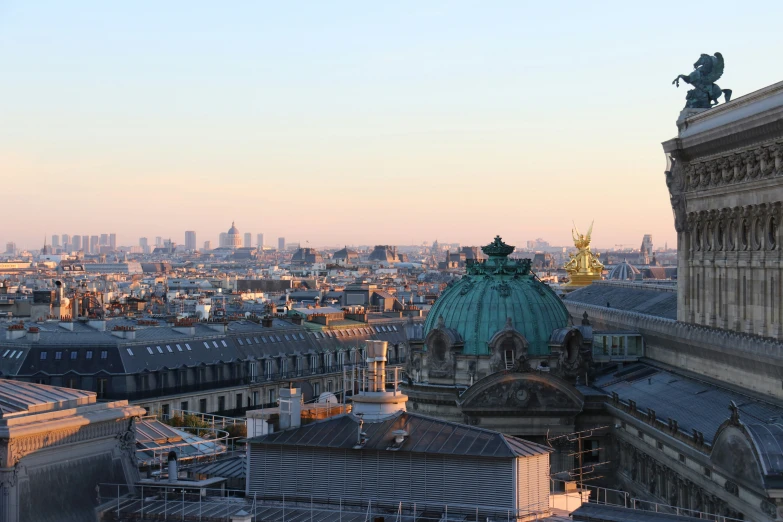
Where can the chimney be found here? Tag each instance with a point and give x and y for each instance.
(376, 365)
(15, 331)
(34, 334)
(98, 324)
(290, 408)
(173, 471)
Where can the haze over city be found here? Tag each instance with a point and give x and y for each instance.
(389, 123)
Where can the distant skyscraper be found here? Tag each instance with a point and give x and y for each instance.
(66, 240)
(113, 241)
(248, 240)
(260, 241)
(104, 239)
(190, 240)
(94, 244)
(86, 244)
(55, 240)
(143, 242)
(158, 241)
(281, 243)
(77, 242)
(207, 245)
(10, 247)
(222, 239)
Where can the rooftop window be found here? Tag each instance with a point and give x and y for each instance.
(264, 339)
(179, 347)
(206, 345)
(6, 353)
(130, 352)
(74, 354)
(149, 350)
(215, 343)
(256, 340)
(241, 343)
(187, 346)
(104, 354)
(247, 340)
(160, 350)
(88, 355)
(18, 355)
(287, 338)
(301, 337)
(169, 349)
(225, 345)
(43, 356)
(12, 354)
(58, 355)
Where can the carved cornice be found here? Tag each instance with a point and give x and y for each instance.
(738, 166)
(17, 448)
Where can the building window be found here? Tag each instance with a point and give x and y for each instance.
(272, 396)
(74, 355)
(183, 405)
(202, 405)
(165, 411)
(253, 370)
(58, 355)
(682, 458)
(707, 472)
(222, 403)
(660, 446)
(328, 386)
(104, 354)
(149, 350)
(640, 434)
(238, 401)
(316, 389)
(299, 365)
(268, 369)
(43, 356)
(130, 352)
(72, 382)
(313, 363)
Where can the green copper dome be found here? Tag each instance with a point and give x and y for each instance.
(479, 304)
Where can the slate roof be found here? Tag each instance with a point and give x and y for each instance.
(86, 351)
(425, 435)
(692, 403)
(650, 301)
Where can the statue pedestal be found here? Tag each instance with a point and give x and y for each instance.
(686, 113)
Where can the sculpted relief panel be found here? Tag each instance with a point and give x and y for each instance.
(520, 392)
(738, 167)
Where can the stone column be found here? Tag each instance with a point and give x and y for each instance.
(9, 508)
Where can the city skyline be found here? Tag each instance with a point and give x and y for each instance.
(446, 117)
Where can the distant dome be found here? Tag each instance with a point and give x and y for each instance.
(493, 294)
(233, 229)
(625, 271)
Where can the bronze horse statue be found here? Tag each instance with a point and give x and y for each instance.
(705, 93)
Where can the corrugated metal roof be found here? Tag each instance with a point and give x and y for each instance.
(234, 467)
(425, 435)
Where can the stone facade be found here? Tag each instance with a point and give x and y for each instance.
(726, 187)
(59, 444)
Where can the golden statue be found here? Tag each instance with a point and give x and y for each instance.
(584, 267)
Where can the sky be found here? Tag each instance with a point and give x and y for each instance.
(356, 122)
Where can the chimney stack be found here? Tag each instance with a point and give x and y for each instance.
(173, 471)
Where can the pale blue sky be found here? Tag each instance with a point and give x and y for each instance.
(355, 122)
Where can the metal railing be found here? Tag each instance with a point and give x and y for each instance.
(618, 498)
(169, 502)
